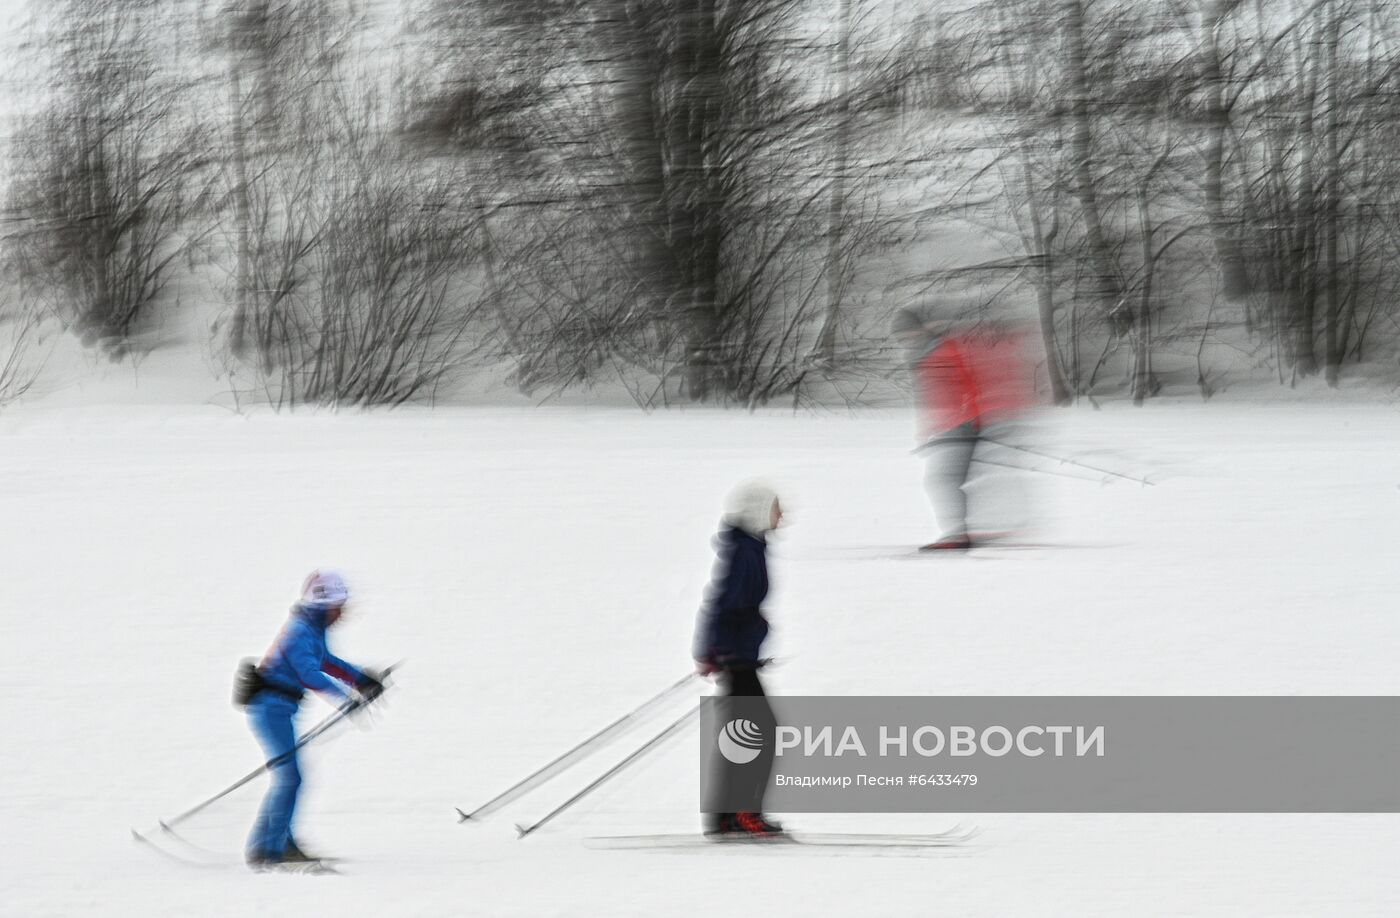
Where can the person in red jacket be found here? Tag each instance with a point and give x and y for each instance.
(964, 385)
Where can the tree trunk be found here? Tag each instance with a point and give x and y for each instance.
(841, 141)
(1235, 280)
(1305, 263)
(640, 78)
(1042, 253)
(239, 337)
(695, 199)
(1103, 280)
(1142, 327)
(1332, 355)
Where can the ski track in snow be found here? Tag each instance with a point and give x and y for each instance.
(539, 571)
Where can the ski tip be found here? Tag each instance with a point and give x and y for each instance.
(461, 816)
(521, 831)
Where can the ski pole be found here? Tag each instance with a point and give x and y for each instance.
(1024, 468)
(335, 717)
(544, 773)
(1062, 459)
(593, 785)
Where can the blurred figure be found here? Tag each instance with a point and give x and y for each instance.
(730, 633)
(298, 660)
(968, 389)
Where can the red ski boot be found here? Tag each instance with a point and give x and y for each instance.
(756, 825)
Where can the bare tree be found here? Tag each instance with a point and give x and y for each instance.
(103, 169)
(1268, 134)
(365, 295)
(680, 237)
(350, 280)
(19, 341)
(280, 57)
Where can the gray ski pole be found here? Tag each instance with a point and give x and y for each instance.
(597, 782)
(563, 761)
(1062, 459)
(340, 714)
(1028, 468)
(345, 710)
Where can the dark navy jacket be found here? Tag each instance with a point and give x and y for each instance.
(732, 628)
(299, 660)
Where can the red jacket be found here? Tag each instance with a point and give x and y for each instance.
(966, 379)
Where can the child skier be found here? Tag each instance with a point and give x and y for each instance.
(731, 630)
(298, 660)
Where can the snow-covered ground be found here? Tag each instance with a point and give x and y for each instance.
(539, 571)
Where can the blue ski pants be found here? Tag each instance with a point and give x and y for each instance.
(272, 719)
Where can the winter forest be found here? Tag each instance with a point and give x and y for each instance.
(703, 201)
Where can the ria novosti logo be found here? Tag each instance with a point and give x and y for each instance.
(741, 741)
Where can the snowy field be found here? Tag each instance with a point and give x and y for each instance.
(539, 571)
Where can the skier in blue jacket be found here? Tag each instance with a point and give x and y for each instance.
(298, 660)
(730, 633)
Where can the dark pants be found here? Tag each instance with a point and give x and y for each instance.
(747, 784)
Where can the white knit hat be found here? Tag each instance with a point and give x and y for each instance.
(325, 587)
(750, 507)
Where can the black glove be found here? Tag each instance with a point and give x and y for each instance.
(370, 687)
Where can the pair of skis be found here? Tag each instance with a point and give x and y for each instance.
(958, 836)
(173, 846)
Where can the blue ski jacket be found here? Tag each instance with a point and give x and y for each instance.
(298, 659)
(731, 628)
